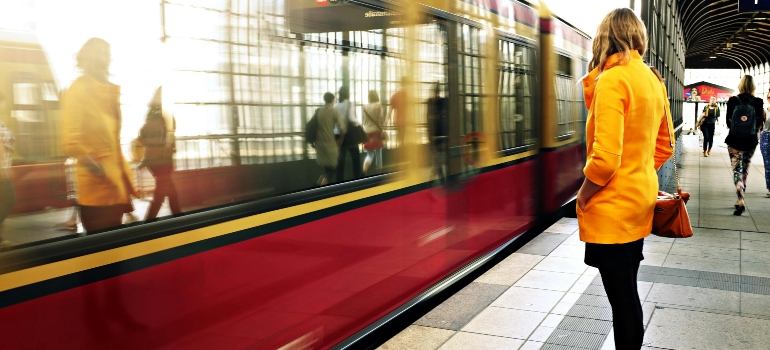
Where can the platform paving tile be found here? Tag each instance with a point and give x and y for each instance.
(461, 307)
(548, 280)
(418, 338)
(505, 322)
(682, 329)
(528, 299)
(543, 244)
(465, 341)
(695, 297)
(560, 264)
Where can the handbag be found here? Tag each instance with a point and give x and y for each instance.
(383, 135)
(670, 218)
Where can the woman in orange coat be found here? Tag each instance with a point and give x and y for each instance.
(628, 138)
(91, 133)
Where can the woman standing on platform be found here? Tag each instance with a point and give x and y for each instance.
(764, 147)
(707, 125)
(628, 137)
(742, 139)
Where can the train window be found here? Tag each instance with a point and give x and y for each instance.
(240, 81)
(469, 64)
(567, 102)
(516, 74)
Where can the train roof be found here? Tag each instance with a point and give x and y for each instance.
(18, 37)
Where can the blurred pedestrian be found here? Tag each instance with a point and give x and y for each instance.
(327, 147)
(91, 123)
(7, 193)
(157, 137)
(350, 144)
(397, 112)
(628, 137)
(438, 113)
(745, 116)
(764, 146)
(373, 120)
(707, 124)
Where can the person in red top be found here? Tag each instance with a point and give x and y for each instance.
(397, 110)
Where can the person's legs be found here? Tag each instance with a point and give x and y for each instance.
(710, 138)
(764, 147)
(341, 164)
(736, 161)
(101, 217)
(355, 153)
(164, 187)
(627, 317)
(706, 145)
(7, 201)
(746, 164)
(368, 160)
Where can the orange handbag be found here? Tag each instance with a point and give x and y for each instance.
(670, 218)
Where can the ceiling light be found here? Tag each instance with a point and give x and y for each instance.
(713, 56)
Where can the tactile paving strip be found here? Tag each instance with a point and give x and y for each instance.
(585, 325)
(593, 300)
(592, 312)
(577, 339)
(701, 279)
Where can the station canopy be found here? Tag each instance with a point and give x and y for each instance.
(719, 35)
(703, 91)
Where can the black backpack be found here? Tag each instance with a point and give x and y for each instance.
(744, 121)
(311, 128)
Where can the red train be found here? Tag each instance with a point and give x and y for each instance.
(264, 259)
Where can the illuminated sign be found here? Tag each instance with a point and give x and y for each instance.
(753, 5)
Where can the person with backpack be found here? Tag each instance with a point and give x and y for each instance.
(157, 137)
(745, 116)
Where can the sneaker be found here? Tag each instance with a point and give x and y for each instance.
(5, 244)
(768, 194)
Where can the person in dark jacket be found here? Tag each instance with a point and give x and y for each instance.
(157, 137)
(741, 148)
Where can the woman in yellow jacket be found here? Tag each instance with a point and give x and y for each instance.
(91, 134)
(628, 138)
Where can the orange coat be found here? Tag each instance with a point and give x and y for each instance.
(627, 140)
(91, 125)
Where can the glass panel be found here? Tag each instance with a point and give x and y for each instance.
(516, 72)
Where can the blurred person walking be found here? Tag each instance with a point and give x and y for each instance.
(745, 116)
(157, 137)
(764, 146)
(350, 143)
(707, 124)
(397, 112)
(327, 147)
(7, 193)
(374, 119)
(628, 137)
(91, 123)
(438, 113)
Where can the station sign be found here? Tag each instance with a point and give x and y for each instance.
(753, 5)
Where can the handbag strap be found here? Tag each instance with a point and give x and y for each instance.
(671, 142)
(370, 118)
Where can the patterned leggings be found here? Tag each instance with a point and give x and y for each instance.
(740, 161)
(764, 147)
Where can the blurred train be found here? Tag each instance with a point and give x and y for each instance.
(264, 259)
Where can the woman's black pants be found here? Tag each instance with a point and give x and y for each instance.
(627, 318)
(708, 135)
(618, 265)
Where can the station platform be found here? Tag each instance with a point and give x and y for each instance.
(709, 291)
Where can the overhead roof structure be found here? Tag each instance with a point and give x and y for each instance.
(716, 35)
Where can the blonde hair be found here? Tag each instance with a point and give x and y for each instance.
(85, 56)
(620, 32)
(373, 96)
(746, 86)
